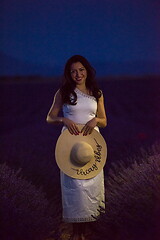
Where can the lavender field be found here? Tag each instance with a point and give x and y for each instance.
(27, 141)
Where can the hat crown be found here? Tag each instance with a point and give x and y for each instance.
(82, 153)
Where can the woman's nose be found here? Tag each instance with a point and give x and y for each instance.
(78, 73)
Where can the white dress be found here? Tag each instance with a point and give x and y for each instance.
(82, 199)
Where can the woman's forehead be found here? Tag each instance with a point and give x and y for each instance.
(76, 65)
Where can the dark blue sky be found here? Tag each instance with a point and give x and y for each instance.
(117, 37)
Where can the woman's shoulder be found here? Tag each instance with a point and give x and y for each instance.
(100, 93)
(58, 95)
(58, 92)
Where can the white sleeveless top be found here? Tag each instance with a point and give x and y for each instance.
(83, 111)
(81, 199)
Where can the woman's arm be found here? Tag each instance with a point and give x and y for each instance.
(100, 120)
(52, 116)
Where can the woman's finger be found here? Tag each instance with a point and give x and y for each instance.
(86, 131)
(70, 130)
(82, 129)
(74, 129)
(91, 130)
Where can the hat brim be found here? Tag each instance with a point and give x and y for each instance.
(63, 148)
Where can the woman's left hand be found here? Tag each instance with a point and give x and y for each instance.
(89, 126)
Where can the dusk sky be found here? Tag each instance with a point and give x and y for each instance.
(117, 37)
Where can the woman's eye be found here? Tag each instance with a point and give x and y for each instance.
(76, 71)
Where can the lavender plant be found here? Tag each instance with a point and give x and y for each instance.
(133, 199)
(25, 213)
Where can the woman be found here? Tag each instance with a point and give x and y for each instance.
(82, 102)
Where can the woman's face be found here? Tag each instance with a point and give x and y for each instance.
(78, 73)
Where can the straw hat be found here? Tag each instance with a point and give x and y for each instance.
(79, 156)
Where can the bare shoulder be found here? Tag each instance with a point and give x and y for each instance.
(101, 99)
(58, 93)
(58, 97)
(56, 105)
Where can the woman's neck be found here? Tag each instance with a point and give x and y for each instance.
(83, 89)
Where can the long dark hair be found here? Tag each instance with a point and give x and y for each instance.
(68, 85)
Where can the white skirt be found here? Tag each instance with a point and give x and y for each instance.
(82, 200)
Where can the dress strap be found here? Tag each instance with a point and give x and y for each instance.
(84, 94)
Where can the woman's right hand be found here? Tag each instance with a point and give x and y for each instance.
(72, 127)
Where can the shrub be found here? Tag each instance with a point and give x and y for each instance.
(133, 199)
(25, 212)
